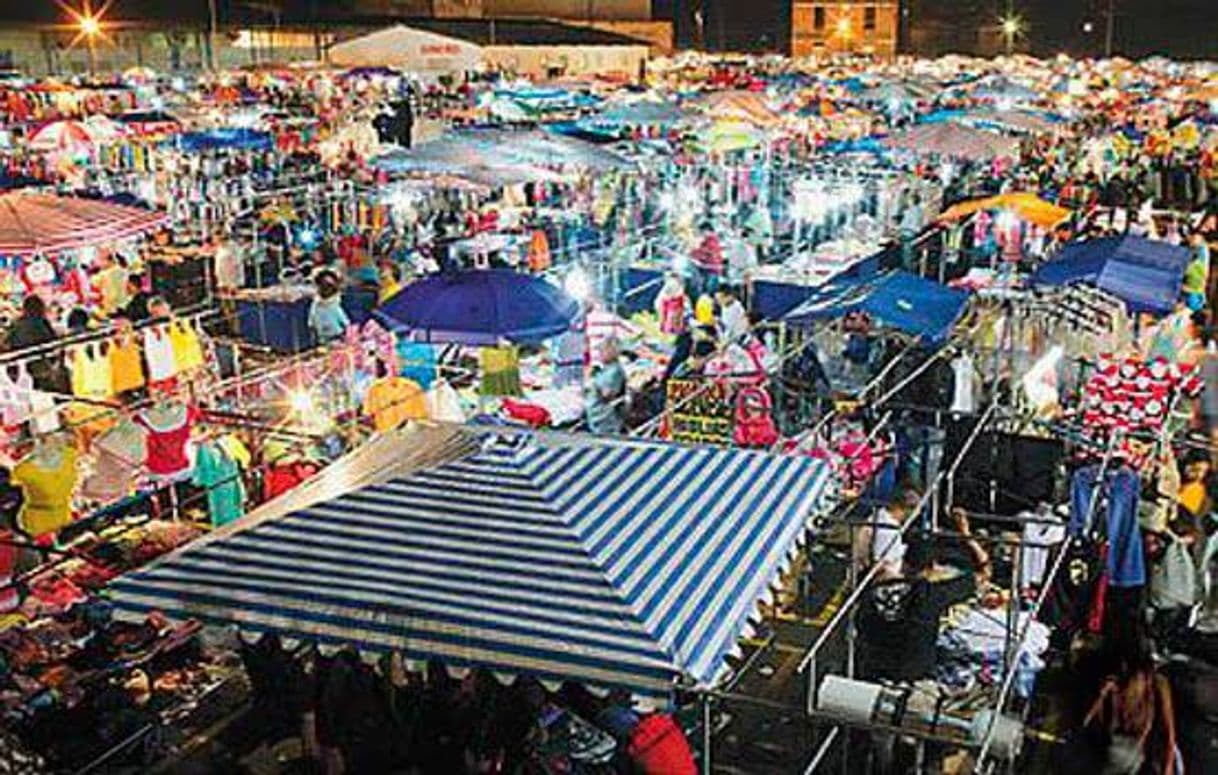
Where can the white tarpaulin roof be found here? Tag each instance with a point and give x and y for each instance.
(409, 49)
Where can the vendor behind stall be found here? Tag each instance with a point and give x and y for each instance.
(327, 318)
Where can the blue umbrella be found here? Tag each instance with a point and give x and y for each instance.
(479, 307)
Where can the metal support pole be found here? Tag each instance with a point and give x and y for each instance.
(1109, 29)
(706, 734)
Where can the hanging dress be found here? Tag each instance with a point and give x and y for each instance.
(158, 352)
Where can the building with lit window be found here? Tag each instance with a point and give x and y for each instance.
(820, 27)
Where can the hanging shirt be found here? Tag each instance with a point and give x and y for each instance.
(230, 267)
(886, 539)
(91, 376)
(218, 473)
(166, 451)
(14, 399)
(44, 415)
(126, 365)
(391, 401)
(110, 285)
(443, 403)
(117, 457)
(734, 321)
(48, 492)
(158, 352)
(417, 362)
(1038, 538)
(187, 350)
(964, 396)
(500, 371)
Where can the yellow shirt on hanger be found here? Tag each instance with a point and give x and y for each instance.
(126, 366)
(187, 350)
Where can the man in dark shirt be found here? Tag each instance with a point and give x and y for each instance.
(137, 308)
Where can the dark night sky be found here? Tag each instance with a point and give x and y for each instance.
(1175, 27)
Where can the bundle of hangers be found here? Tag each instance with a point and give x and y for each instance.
(1077, 306)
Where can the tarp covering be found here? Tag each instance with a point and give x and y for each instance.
(408, 49)
(479, 307)
(898, 300)
(744, 106)
(43, 223)
(1145, 274)
(618, 564)
(951, 139)
(641, 113)
(231, 138)
(1027, 206)
(520, 156)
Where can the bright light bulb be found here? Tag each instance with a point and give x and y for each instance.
(843, 26)
(577, 285)
(301, 402)
(89, 25)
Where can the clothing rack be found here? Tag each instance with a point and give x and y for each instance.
(194, 315)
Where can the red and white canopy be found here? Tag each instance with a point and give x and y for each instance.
(44, 223)
(62, 136)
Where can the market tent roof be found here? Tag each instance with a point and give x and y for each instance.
(407, 48)
(1002, 88)
(1145, 274)
(520, 154)
(238, 138)
(895, 91)
(1020, 120)
(951, 139)
(619, 564)
(32, 223)
(641, 113)
(479, 307)
(899, 300)
(1026, 205)
(737, 105)
(62, 136)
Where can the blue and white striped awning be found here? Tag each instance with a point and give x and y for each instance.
(619, 565)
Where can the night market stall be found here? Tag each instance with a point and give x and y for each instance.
(647, 623)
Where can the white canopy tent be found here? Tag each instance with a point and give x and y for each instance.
(409, 49)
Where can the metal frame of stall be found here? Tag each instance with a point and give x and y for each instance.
(986, 761)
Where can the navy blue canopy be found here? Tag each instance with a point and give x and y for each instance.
(1145, 274)
(899, 300)
(239, 139)
(479, 307)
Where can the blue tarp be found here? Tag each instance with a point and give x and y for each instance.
(213, 139)
(1145, 274)
(899, 300)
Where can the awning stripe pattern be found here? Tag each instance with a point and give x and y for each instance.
(620, 565)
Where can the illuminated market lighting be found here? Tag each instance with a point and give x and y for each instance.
(843, 27)
(577, 285)
(89, 23)
(301, 402)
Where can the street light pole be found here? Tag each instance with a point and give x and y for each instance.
(211, 35)
(1110, 27)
